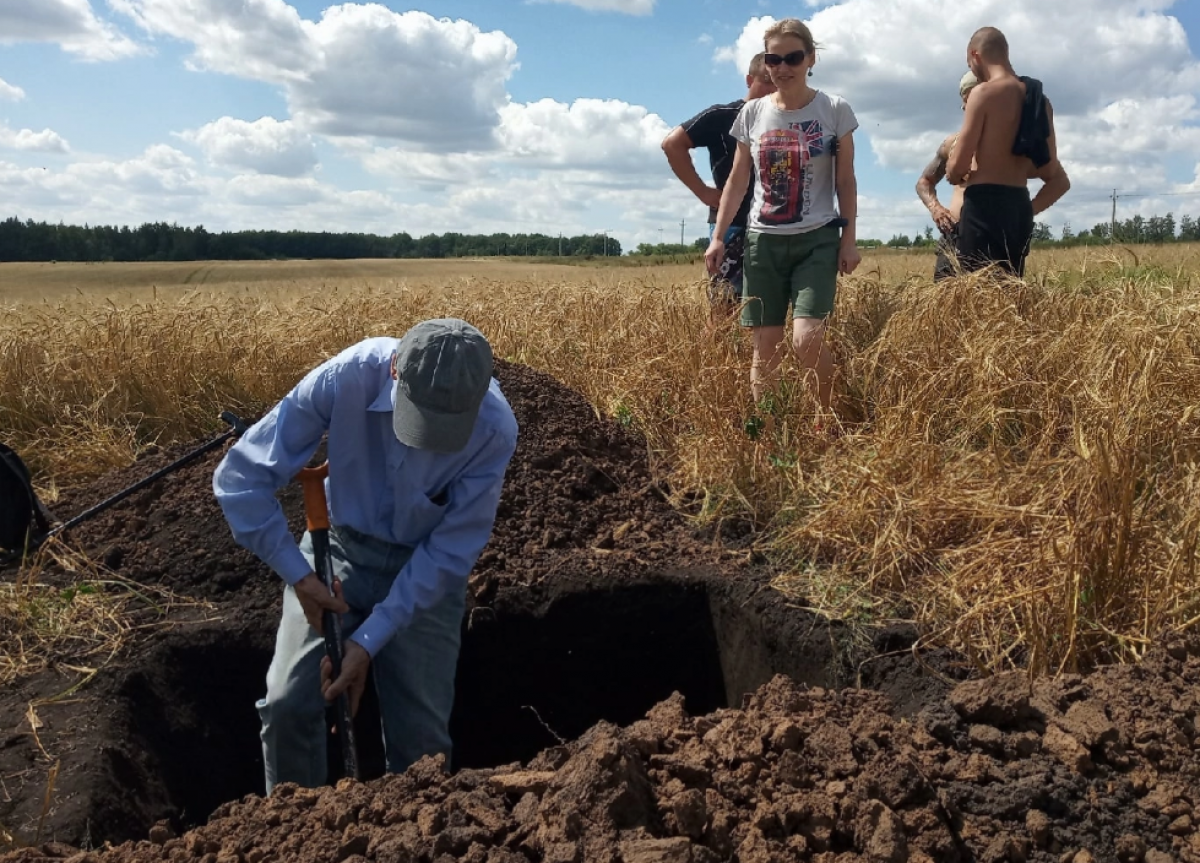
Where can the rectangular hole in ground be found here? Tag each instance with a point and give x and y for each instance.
(531, 674)
(528, 681)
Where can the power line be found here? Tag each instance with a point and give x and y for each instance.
(1157, 194)
(1097, 196)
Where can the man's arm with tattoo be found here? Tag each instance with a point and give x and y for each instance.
(927, 187)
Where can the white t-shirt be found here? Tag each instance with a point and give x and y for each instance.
(792, 169)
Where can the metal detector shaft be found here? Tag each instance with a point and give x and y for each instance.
(238, 427)
(317, 515)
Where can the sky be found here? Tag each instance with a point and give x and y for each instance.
(482, 116)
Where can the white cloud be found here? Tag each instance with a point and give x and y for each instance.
(264, 40)
(361, 70)
(72, 24)
(45, 141)
(265, 146)
(588, 143)
(159, 171)
(11, 92)
(163, 184)
(749, 42)
(629, 7)
(429, 171)
(1128, 130)
(266, 191)
(606, 135)
(160, 184)
(704, 39)
(406, 76)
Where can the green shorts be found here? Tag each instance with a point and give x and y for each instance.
(799, 270)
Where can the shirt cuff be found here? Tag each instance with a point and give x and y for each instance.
(374, 633)
(292, 565)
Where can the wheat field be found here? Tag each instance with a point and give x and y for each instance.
(1016, 470)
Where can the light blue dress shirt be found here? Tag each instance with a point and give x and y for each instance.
(443, 506)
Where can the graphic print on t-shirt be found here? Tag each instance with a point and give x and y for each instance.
(783, 159)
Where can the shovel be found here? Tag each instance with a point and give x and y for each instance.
(238, 428)
(316, 512)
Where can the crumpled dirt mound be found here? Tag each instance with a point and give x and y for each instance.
(578, 486)
(1102, 768)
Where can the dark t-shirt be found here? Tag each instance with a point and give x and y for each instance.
(710, 129)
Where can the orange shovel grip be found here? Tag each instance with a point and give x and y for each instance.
(316, 511)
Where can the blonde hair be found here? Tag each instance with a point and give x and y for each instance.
(791, 27)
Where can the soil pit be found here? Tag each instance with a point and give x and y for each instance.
(528, 681)
(535, 672)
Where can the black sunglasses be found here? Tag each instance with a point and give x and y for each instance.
(793, 58)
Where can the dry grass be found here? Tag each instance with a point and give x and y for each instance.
(78, 628)
(125, 282)
(1018, 471)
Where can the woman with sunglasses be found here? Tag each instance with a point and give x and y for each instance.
(799, 145)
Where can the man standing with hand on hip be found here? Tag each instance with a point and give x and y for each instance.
(1007, 136)
(419, 439)
(710, 129)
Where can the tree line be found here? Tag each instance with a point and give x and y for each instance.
(158, 241)
(1134, 230)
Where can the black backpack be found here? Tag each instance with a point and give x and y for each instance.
(20, 509)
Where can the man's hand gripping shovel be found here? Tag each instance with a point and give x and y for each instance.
(317, 514)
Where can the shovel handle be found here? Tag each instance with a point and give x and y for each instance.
(316, 512)
(316, 509)
(238, 428)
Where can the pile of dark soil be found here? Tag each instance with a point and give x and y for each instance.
(578, 487)
(1102, 768)
(595, 616)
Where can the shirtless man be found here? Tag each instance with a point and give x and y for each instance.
(1007, 135)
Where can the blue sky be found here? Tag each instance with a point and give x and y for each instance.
(490, 115)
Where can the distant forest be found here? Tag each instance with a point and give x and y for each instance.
(1156, 229)
(158, 241)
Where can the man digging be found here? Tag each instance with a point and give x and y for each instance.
(419, 439)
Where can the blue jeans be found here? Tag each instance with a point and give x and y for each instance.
(725, 286)
(413, 672)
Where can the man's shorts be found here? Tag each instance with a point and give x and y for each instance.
(996, 226)
(725, 286)
(945, 266)
(797, 270)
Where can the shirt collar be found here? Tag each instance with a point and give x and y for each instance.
(386, 400)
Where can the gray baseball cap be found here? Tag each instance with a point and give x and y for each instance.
(443, 370)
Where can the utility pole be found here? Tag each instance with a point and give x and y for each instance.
(1112, 228)
(682, 222)
(560, 244)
